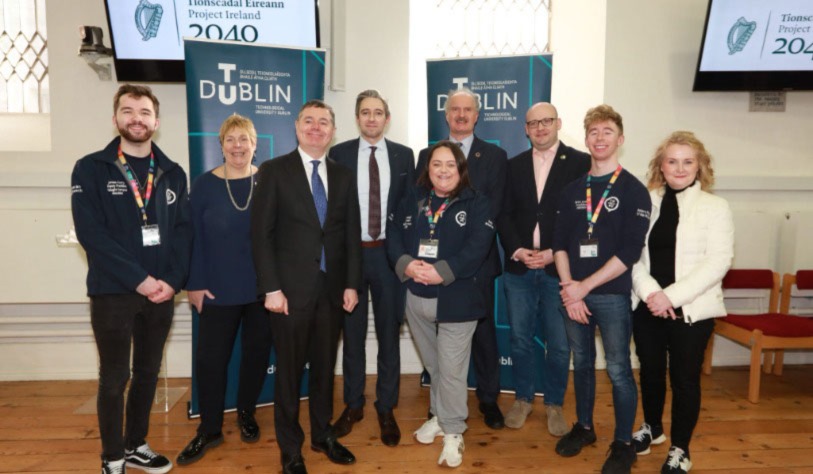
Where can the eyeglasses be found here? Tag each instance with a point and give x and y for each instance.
(545, 122)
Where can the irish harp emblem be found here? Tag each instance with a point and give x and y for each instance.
(147, 19)
(739, 34)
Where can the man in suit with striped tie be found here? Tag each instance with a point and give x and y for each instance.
(384, 171)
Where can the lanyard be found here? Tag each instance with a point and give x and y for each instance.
(593, 217)
(433, 220)
(142, 204)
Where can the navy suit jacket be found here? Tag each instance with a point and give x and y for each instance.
(287, 239)
(487, 165)
(402, 167)
(521, 209)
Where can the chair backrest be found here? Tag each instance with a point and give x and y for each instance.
(802, 279)
(755, 279)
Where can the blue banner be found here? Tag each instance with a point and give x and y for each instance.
(268, 85)
(506, 88)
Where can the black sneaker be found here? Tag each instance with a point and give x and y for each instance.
(620, 459)
(114, 467)
(645, 437)
(147, 460)
(677, 462)
(572, 443)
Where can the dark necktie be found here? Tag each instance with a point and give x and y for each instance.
(374, 211)
(320, 201)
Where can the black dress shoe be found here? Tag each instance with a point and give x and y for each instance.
(293, 464)
(344, 424)
(198, 447)
(493, 416)
(334, 450)
(390, 433)
(249, 429)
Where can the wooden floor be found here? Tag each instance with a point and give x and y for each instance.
(40, 433)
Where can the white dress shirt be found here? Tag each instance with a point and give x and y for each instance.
(363, 180)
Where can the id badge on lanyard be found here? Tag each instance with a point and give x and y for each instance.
(428, 248)
(150, 235)
(588, 248)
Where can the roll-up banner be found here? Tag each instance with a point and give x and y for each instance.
(268, 85)
(506, 87)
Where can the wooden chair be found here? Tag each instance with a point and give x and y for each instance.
(771, 332)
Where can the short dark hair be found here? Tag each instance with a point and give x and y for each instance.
(460, 160)
(371, 94)
(318, 104)
(137, 91)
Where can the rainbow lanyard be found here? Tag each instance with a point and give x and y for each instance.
(142, 204)
(433, 220)
(591, 217)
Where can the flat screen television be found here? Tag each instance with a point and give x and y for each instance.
(756, 45)
(147, 35)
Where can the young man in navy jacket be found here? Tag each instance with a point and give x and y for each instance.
(601, 225)
(131, 213)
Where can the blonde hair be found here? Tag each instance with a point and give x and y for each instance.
(705, 173)
(240, 122)
(603, 113)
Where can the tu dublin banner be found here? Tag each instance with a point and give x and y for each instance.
(266, 84)
(506, 87)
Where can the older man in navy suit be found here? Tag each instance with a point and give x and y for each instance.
(307, 254)
(487, 170)
(536, 177)
(384, 171)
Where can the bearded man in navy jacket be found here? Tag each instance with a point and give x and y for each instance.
(131, 212)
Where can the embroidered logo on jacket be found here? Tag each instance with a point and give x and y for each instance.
(612, 203)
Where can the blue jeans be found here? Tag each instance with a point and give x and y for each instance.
(533, 301)
(613, 316)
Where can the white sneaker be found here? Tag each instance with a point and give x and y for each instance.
(453, 447)
(427, 433)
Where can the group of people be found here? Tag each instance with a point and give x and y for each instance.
(288, 251)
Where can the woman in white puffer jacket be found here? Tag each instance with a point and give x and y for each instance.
(677, 290)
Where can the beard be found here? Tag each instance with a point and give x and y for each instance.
(142, 137)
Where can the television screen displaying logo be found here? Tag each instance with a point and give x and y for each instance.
(758, 35)
(155, 29)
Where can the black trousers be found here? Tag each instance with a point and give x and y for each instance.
(682, 345)
(120, 322)
(484, 351)
(309, 334)
(383, 285)
(217, 332)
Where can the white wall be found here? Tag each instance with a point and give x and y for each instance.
(763, 162)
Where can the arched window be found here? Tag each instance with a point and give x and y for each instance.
(24, 57)
(465, 28)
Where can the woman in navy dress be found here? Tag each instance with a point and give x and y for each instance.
(222, 287)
